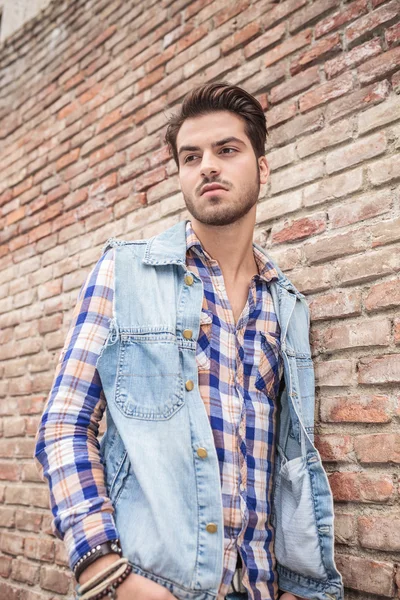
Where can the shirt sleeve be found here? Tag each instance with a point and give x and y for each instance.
(67, 448)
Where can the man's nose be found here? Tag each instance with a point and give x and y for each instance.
(209, 165)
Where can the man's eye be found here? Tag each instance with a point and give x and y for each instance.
(228, 149)
(189, 156)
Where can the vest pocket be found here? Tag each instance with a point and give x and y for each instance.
(297, 545)
(149, 383)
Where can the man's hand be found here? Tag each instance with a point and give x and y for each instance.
(289, 596)
(140, 588)
(135, 586)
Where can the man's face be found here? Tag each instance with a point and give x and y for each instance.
(214, 148)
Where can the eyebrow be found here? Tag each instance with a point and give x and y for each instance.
(213, 145)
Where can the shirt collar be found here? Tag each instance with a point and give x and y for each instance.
(266, 270)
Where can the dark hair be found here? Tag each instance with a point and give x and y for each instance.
(211, 97)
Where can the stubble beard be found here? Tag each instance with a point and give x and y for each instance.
(223, 213)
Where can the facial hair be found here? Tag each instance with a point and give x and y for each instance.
(222, 212)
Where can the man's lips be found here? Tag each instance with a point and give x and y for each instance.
(208, 189)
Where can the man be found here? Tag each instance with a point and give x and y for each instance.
(198, 347)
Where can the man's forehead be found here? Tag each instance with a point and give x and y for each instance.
(209, 128)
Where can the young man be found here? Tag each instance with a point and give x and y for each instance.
(198, 347)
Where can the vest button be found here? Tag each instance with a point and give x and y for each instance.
(187, 333)
(188, 279)
(212, 527)
(189, 385)
(202, 452)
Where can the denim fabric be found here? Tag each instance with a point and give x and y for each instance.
(156, 481)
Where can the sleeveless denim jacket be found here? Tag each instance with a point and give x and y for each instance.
(164, 494)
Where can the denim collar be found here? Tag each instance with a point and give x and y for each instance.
(169, 247)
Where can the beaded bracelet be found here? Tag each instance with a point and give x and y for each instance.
(108, 587)
(97, 552)
(102, 576)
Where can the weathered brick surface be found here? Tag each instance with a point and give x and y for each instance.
(83, 158)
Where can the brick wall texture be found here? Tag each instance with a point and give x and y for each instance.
(85, 91)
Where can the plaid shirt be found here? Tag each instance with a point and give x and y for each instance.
(239, 369)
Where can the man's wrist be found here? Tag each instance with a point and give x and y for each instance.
(104, 549)
(98, 565)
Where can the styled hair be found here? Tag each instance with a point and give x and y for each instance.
(211, 97)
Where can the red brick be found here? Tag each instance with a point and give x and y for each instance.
(378, 448)
(7, 517)
(264, 41)
(104, 185)
(361, 209)
(385, 232)
(298, 229)
(373, 94)
(39, 549)
(301, 125)
(149, 80)
(356, 152)
(336, 304)
(9, 471)
(334, 246)
(357, 269)
(380, 533)
(345, 528)
(352, 58)
(380, 66)
(368, 23)
(334, 373)
(8, 591)
(292, 177)
(326, 92)
(280, 114)
(366, 575)
(55, 580)
(109, 120)
(25, 572)
(149, 179)
(383, 295)
(67, 159)
(318, 50)
(28, 520)
(105, 35)
(385, 170)
(335, 448)
(11, 543)
(294, 85)
(102, 154)
(334, 187)
(288, 46)
(310, 12)
(241, 37)
(361, 487)
(329, 136)
(379, 369)
(355, 9)
(380, 115)
(312, 279)
(392, 35)
(5, 566)
(355, 334)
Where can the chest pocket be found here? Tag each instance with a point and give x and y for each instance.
(204, 341)
(149, 382)
(270, 367)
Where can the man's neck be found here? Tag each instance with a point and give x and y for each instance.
(230, 245)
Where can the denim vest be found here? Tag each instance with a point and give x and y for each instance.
(163, 492)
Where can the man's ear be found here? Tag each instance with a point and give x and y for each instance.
(264, 169)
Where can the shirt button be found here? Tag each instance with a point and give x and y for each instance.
(202, 452)
(187, 333)
(212, 528)
(189, 385)
(188, 279)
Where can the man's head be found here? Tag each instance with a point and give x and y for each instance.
(219, 137)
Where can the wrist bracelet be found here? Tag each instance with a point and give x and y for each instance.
(108, 586)
(101, 577)
(97, 552)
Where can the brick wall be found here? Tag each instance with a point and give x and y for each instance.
(85, 90)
